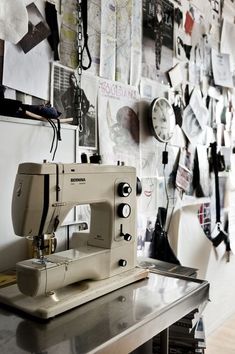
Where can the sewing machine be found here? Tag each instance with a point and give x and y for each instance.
(42, 197)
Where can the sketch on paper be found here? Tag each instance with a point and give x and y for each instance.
(118, 123)
(192, 127)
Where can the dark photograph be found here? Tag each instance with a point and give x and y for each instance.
(65, 98)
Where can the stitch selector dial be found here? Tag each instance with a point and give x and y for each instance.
(124, 189)
(124, 210)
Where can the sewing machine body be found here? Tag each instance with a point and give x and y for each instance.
(43, 195)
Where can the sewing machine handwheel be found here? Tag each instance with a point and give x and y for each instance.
(138, 186)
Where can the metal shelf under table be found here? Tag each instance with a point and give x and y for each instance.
(115, 323)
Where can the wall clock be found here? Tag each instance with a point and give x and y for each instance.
(162, 119)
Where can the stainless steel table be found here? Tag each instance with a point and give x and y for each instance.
(115, 323)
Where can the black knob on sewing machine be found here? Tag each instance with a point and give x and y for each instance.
(124, 210)
(122, 262)
(124, 189)
(127, 237)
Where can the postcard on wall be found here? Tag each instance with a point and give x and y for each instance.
(184, 170)
(151, 89)
(221, 69)
(118, 123)
(228, 37)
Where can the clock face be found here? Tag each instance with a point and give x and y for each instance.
(162, 119)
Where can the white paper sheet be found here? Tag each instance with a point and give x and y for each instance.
(13, 20)
(152, 89)
(228, 10)
(175, 75)
(227, 40)
(29, 73)
(192, 127)
(221, 69)
(199, 109)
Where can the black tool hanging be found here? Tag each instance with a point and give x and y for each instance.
(218, 165)
(85, 34)
(160, 248)
(51, 18)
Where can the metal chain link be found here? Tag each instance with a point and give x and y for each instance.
(79, 67)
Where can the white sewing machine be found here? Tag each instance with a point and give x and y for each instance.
(43, 195)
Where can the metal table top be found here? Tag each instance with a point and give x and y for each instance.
(118, 322)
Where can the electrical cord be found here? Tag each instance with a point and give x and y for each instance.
(165, 162)
(56, 135)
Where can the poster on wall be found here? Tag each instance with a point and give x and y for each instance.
(157, 49)
(64, 97)
(118, 123)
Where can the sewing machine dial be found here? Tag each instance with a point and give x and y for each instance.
(124, 210)
(124, 189)
(162, 119)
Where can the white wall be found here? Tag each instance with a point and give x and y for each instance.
(22, 141)
(195, 250)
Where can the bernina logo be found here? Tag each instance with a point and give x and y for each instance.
(78, 179)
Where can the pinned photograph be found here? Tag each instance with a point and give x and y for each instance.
(38, 30)
(65, 98)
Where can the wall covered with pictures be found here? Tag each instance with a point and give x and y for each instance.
(136, 53)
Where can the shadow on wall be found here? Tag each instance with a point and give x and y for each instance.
(12, 253)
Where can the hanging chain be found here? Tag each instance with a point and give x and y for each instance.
(79, 67)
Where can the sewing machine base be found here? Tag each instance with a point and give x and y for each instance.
(68, 297)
